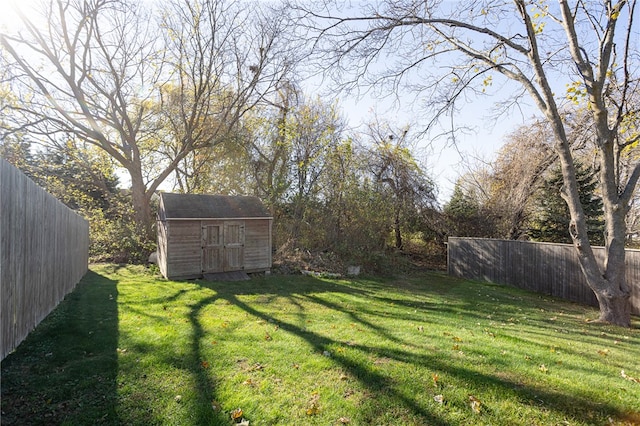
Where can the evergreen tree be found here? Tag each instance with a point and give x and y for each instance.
(551, 217)
(466, 217)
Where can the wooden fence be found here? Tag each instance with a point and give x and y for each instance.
(551, 269)
(44, 253)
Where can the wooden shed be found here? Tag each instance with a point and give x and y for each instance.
(208, 234)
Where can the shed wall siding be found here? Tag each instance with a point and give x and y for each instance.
(257, 249)
(180, 246)
(184, 249)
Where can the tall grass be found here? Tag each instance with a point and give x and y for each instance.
(127, 347)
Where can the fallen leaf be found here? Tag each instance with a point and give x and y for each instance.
(421, 328)
(543, 368)
(204, 364)
(456, 339)
(435, 377)
(439, 399)
(344, 420)
(313, 407)
(456, 347)
(267, 336)
(236, 414)
(178, 398)
(603, 352)
(625, 376)
(475, 404)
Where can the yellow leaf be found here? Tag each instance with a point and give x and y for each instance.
(236, 414)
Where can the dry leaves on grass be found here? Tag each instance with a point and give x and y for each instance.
(475, 403)
(436, 377)
(236, 415)
(630, 378)
(313, 406)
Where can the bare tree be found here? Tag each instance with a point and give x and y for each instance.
(516, 175)
(148, 86)
(449, 51)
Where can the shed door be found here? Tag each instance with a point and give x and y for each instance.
(233, 246)
(212, 248)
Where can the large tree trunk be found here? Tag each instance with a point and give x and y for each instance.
(614, 297)
(607, 281)
(141, 204)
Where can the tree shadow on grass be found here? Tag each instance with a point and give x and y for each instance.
(566, 404)
(66, 369)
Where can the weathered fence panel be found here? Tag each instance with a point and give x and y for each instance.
(551, 269)
(44, 252)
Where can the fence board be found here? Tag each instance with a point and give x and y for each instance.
(551, 269)
(44, 252)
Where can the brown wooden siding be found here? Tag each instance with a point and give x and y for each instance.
(551, 269)
(257, 252)
(184, 248)
(44, 253)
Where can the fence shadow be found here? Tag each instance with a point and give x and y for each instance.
(66, 369)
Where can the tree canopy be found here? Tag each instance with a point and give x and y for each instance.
(444, 53)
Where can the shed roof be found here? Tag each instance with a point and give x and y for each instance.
(200, 206)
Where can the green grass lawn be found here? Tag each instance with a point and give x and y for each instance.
(127, 347)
